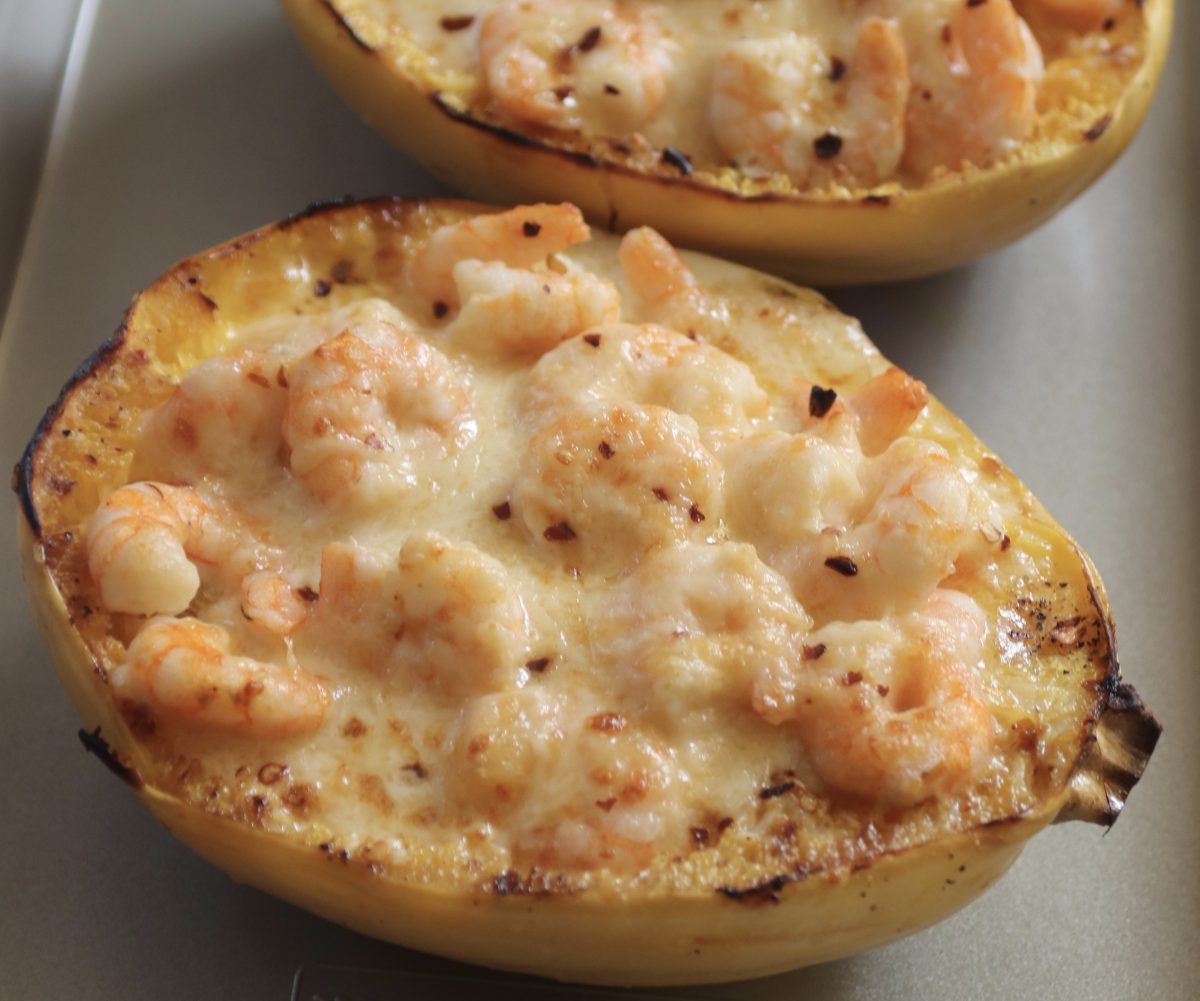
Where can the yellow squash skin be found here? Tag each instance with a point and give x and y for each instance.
(692, 933)
(825, 239)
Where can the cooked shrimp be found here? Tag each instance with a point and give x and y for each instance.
(695, 623)
(144, 542)
(593, 63)
(975, 68)
(783, 105)
(892, 712)
(664, 287)
(183, 669)
(627, 808)
(521, 238)
(443, 615)
(463, 627)
(271, 600)
(369, 404)
(857, 535)
(647, 365)
(521, 312)
(606, 482)
(224, 415)
(881, 409)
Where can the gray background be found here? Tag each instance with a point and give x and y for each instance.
(1074, 354)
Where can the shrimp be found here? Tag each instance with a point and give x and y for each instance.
(594, 65)
(521, 238)
(857, 535)
(783, 105)
(666, 290)
(441, 615)
(272, 601)
(892, 712)
(522, 312)
(879, 411)
(463, 626)
(627, 808)
(143, 544)
(225, 415)
(607, 482)
(695, 623)
(183, 669)
(976, 69)
(363, 407)
(647, 365)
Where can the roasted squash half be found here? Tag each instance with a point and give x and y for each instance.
(1098, 82)
(797, 871)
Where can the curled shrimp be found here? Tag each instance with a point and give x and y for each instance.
(522, 312)
(143, 545)
(272, 601)
(857, 535)
(665, 289)
(521, 238)
(594, 63)
(694, 623)
(892, 712)
(225, 414)
(975, 68)
(183, 669)
(442, 615)
(606, 482)
(628, 810)
(647, 365)
(783, 105)
(366, 405)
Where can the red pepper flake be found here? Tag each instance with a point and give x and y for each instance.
(700, 836)
(531, 229)
(852, 678)
(947, 34)
(271, 772)
(281, 377)
(661, 494)
(592, 339)
(976, 3)
(724, 822)
(1005, 542)
(820, 400)
(322, 288)
(259, 379)
(770, 792)
(843, 565)
(837, 69)
(1109, 23)
(562, 93)
(457, 22)
(354, 727)
(562, 532)
(503, 510)
(695, 514)
(417, 769)
(611, 89)
(607, 722)
(538, 664)
(1099, 127)
(882, 690)
(827, 146)
(306, 593)
(814, 652)
(440, 309)
(606, 450)
(607, 804)
(672, 157)
(590, 39)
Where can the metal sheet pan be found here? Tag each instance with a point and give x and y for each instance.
(1074, 354)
